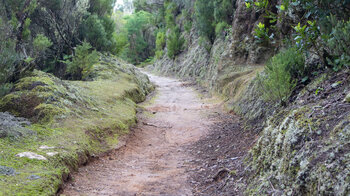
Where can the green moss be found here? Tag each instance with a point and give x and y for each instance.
(78, 119)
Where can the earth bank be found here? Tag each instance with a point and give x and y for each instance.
(69, 123)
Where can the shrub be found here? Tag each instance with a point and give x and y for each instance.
(160, 40)
(98, 31)
(160, 44)
(223, 10)
(188, 26)
(261, 33)
(220, 27)
(5, 89)
(41, 43)
(205, 18)
(279, 82)
(8, 58)
(82, 63)
(159, 54)
(170, 9)
(338, 44)
(175, 43)
(138, 26)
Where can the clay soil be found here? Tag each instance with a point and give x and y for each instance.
(183, 145)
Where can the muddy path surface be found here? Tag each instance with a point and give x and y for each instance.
(153, 161)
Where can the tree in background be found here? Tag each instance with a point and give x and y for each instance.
(175, 43)
(138, 27)
(44, 32)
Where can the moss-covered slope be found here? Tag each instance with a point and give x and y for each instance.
(71, 121)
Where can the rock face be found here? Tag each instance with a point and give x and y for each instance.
(303, 148)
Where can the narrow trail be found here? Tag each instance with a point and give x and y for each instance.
(154, 160)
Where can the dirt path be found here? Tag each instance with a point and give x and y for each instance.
(154, 160)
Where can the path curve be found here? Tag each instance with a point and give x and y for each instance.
(154, 160)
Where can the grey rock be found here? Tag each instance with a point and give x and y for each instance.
(347, 98)
(11, 126)
(34, 177)
(31, 155)
(8, 171)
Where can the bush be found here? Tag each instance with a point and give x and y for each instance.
(205, 18)
(8, 58)
(5, 89)
(220, 27)
(188, 26)
(160, 44)
(338, 44)
(98, 31)
(175, 43)
(278, 81)
(261, 34)
(138, 28)
(170, 10)
(41, 43)
(159, 54)
(82, 63)
(160, 40)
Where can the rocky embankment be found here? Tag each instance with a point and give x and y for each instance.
(62, 124)
(303, 148)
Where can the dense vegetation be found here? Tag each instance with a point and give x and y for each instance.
(299, 29)
(47, 35)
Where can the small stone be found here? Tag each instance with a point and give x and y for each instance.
(51, 154)
(31, 155)
(45, 147)
(34, 177)
(347, 98)
(334, 85)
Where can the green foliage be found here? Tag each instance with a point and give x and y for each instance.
(159, 54)
(223, 10)
(82, 63)
(212, 15)
(160, 44)
(101, 7)
(26, 31)
(41, 43)
(261, 34)
(205, 18)
(338, 44)
(98, 31)
(121, 42)
(170, 10)
(220, 27)
(188, 26)
(280, 81)
(160, 40)
(8, 55)
(175, 43)
(5, 89)
(137, 25)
